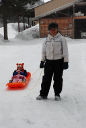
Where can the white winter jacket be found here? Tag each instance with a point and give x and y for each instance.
(55, 48)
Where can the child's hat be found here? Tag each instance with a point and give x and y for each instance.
(52, 25)
(20, 65)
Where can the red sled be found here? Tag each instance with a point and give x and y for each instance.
(20, 84)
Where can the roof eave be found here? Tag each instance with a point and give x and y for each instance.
(54, 10)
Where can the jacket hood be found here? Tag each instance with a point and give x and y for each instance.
(58, 35)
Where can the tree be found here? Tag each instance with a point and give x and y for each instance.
(13, 8)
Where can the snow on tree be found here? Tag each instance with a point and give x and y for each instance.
(13, 8)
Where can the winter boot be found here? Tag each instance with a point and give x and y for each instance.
(41, 97)
(57, 97)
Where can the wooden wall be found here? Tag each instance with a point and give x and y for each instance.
(65, 26)
(50, 6)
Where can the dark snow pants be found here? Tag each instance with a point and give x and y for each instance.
(53, 68)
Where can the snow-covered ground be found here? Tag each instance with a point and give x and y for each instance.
(20, 109)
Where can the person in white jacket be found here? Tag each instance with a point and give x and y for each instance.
(54, 61)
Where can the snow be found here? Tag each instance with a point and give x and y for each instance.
(46, 0)
(33, 32)
(12, 30)
(20, 109)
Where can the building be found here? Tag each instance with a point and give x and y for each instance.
(69, 14)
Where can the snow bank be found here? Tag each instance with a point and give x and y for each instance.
(1, 36)
(15, 26)
(29, 34)
(12, 32)
(12, 29)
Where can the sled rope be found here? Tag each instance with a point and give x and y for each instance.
(35, 72)
(36, 82)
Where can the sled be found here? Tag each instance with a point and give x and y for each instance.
(20, 84)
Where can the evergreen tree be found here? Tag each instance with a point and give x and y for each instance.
(13, 8)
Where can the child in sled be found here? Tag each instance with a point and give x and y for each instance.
(20, 74)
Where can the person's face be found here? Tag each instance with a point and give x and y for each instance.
(53, 31)
(19, 67)
(18, 71)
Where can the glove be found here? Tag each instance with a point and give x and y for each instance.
(42, 64)
(65, 65)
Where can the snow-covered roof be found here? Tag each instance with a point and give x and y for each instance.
(55, 10)
(43, 3)
(29, 6)
(60, 8)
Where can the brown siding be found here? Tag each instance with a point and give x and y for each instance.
(49, 6)
(80, 17)
(65, 26)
